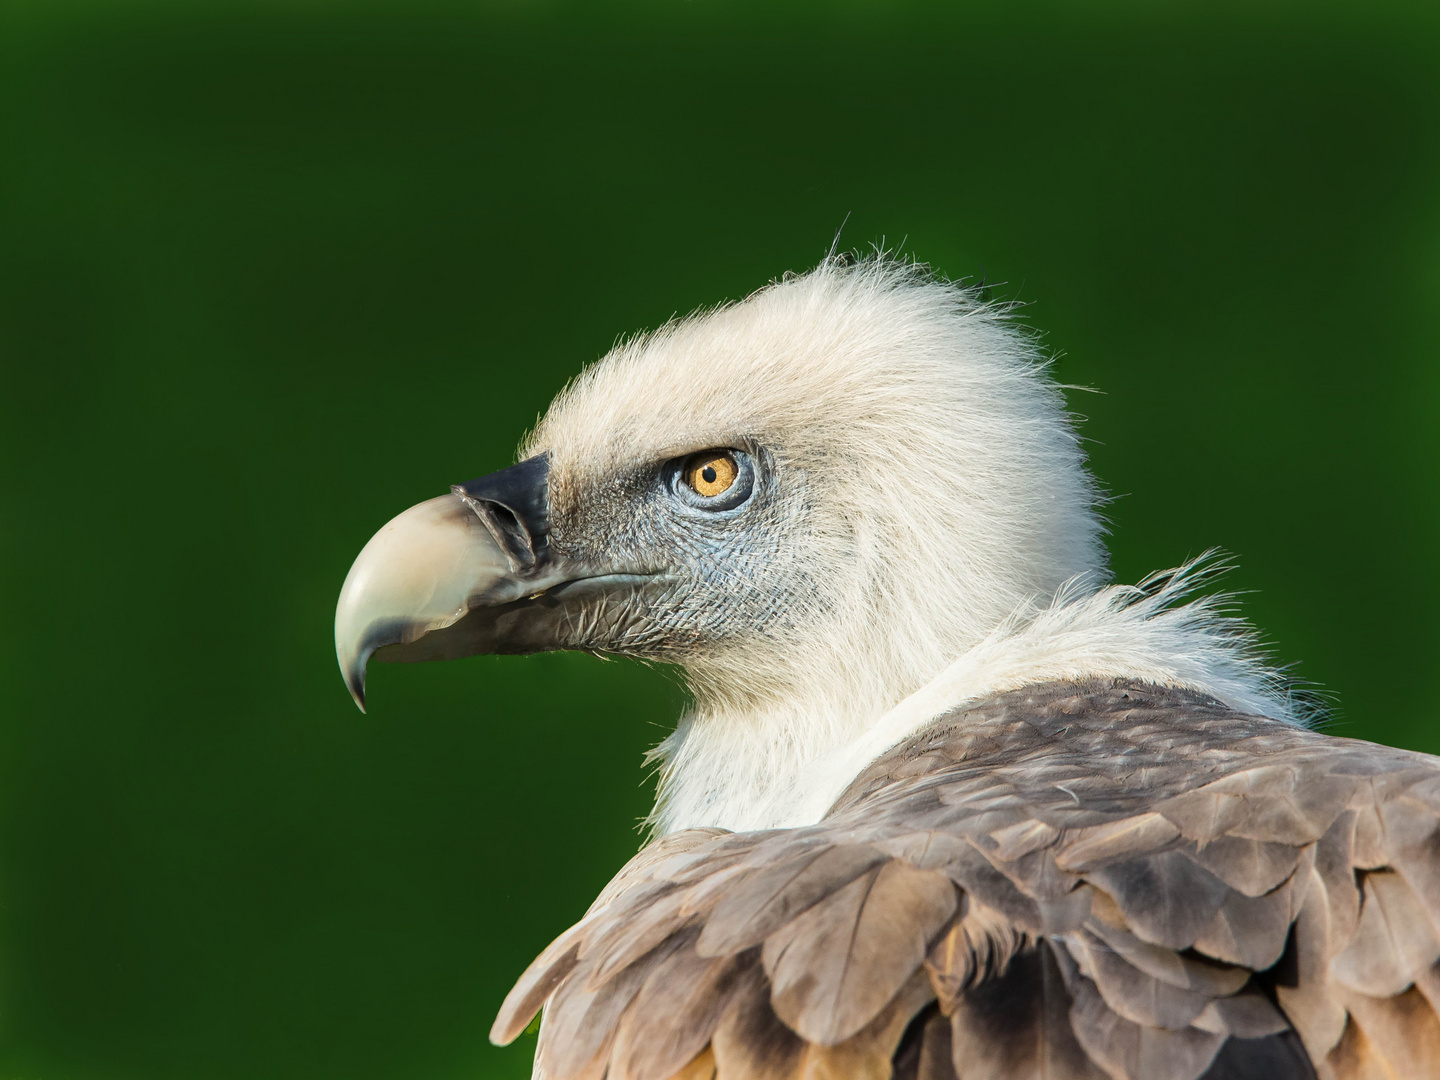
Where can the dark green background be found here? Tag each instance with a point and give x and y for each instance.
(272, 273)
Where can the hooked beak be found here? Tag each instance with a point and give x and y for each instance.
(472, 572)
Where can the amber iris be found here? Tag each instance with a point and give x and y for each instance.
(710, 474)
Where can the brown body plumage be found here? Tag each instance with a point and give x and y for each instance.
(1065, 881)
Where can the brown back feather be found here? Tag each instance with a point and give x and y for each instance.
(1067, 882)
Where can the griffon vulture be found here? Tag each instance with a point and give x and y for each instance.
(948, 805)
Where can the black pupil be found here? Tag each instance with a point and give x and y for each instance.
(708, 473)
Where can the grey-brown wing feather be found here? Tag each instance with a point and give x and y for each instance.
(1068, 882)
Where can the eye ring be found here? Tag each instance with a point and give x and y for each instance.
(718, 479)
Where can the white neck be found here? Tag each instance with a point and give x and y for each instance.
(785, 765)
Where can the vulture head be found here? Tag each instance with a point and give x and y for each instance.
(817, 502)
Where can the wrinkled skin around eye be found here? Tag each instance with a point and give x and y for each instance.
(749, 571)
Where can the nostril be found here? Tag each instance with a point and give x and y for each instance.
(509, 524)
(514, 506)
(509, 531)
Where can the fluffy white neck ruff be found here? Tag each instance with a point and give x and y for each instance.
(786, 765)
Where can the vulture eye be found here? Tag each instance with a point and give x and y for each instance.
(713, 480)
(710, 474)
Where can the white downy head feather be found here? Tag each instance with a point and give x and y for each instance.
(943, 521)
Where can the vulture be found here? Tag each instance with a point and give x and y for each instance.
(948, 802)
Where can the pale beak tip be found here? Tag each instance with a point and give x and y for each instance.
(414, 576)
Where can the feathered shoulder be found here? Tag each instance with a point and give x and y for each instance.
(1073, 880)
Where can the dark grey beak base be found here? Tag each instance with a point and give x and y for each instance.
(514, 504)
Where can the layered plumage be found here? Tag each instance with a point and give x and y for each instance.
(1102, 879)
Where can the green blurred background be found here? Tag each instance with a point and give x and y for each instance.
(270, 273)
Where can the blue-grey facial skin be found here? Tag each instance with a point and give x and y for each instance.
(724, 568)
